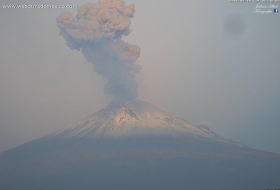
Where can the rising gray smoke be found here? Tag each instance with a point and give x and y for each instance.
(97, 30)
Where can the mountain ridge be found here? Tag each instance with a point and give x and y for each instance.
(135, 118)
(110, 150)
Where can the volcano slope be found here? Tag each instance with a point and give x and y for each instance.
(136, 146)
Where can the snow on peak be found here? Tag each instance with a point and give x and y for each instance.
(133, 119)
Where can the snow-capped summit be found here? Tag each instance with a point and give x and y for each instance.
(130, 119)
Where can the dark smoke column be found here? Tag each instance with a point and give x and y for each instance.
(97, 30)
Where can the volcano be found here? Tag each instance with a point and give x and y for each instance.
(136, 145)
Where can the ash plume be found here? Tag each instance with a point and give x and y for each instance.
(97, 30)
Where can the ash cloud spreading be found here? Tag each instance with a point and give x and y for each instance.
(97, 31)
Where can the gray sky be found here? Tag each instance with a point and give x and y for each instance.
(203, 61)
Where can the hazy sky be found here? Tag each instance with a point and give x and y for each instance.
(202, 61)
